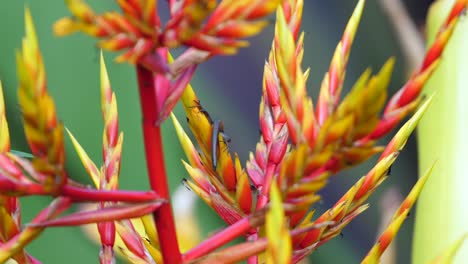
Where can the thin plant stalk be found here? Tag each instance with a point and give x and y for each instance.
(163, 217)
(223, 237)
(442, 211)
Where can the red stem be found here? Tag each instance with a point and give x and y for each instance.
(254, 258)
(79, 194)
(239, 252)
(220, 239)
(155, 163)
(92, 195)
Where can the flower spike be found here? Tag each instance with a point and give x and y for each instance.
(225, 188)
(112, 151)
(10, 211)
(323, 142)
(403, 100)
(330, 93)
(134, 31)
(43, 132)
(351, 203)
(399, 140)
(244, 250)
(138, 30)
(269, 202)
(400, 215)
(231, 20)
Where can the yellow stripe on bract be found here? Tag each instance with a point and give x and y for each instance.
(111, 114)
(200, 192)
(307, 219)
(116, 156)
(385, 74)
(80, 9)
(249, 28)
(353, 23)
(376, 252)
(30, 43)
(243, 191)
(372, 257)
(43, 132)
(226, 168)
(4, 133)
(339, 61)
(9, 227)
(284, 51)
(112, 140)
(188, 229)
(374, 89)
(89, 165)
(400, 215)
(269, 5)
(348, 200)
(298, 7)
(148, 7)
(150, 229)
(187, 145)
(106, 91)
(154, 252)
(414, 193)
(279, 240)
(199, 124)
(350, 32)
(399, 140)
(375, 177)
(365, 102)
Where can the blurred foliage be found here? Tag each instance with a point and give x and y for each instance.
(443, 138)
(229, 87)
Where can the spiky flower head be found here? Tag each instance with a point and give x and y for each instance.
(268, 200)
(336, 134)
(44, 132)
(205, 27)
(45, 174)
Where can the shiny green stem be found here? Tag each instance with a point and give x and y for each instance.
(442, 210)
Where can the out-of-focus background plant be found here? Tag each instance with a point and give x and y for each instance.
(224, 83)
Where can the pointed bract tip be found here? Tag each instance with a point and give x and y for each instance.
(29, 26)
(356, 17)
(106, 91)
(89, 165)
(420, 112)
(449, 254)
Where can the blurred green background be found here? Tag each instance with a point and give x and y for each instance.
(229, 87)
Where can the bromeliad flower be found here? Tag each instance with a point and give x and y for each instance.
(138, 30)
(203, 25)
(43, 132)
(10, 211)
(324, 140)
(45, 174)
(268, 201)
